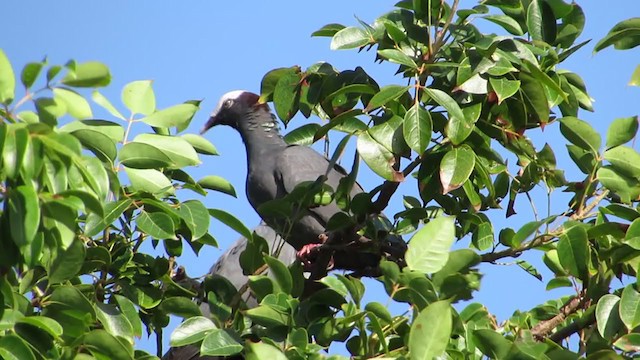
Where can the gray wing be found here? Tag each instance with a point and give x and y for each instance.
(297, 164)
(228, 266)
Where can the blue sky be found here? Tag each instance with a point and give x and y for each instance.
(202, 49)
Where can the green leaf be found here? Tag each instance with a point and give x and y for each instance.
(428, 249)
(217, 183)
(150, 180)
(621, 131)
(219, 343)
(178, 115)
(270, 80)
(492, 344)
(77, 106)
(506, 22)
(573, 251)
(541, 23)
(139, 98)
(191, 331)
(44, 323)
(456, 167)
(110, 129)
(630, 307)
(580, 133)
(156, 224)
(24, 214)
(607, 316)
(196, 216)
(177, 149)
(304, 135)
(625, 160)
(14, 348)
(629, 343)
(114, 321)
(180, 306)
(417, 128)
(635, 77)
(268, 316)
(112, 211)
(143, 156)
(88, 74)
(626, 187)
(504, 88)
(349, 38)
(377, 157)
(101, 343)
(385, 95)
(264, 351)
(398, 57)
(328, 30)
(13, 152)
(200, 144)
(525, 231)
(100, 144)
(232, 222)
(131, 313)
(280, 274)
(67, 264)
(624, 35)
(30, 73)
(430, 331)
(7, 80)
(106, 104)
(69, 307)
(286, 95)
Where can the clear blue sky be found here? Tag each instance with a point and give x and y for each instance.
(202, 49)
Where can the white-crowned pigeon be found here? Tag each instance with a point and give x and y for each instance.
(228, 266)
(275, 168)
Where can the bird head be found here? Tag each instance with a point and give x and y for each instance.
(232, 108)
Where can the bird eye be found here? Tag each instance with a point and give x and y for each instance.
(228, 103)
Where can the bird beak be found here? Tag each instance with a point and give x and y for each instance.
(213, 121)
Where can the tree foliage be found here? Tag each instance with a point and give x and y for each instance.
(81, 194)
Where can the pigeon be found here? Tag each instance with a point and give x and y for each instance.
(228, 266)
(275, 168)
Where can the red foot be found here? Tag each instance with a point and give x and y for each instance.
(307, 255)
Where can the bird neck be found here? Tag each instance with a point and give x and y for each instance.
(261, 135)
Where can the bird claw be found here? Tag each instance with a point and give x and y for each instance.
(308, 253)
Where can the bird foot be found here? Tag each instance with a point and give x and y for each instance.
(308, 254)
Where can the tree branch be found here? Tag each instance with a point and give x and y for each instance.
(543, 328)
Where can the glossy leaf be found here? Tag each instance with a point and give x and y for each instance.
(24, 214)
(504, 88)
(630, 307)
(377, 157)
(624, 35)
(506, 22)
(112, 211)
(231, 221)
(101, 100)
(178, 150)
(13, 347)
(580, 133)
(30, 73)
(200, 144)
(217, 183)
(76, 105)
(625, 160)
(139, 98)
(417, 128)
(607, 316)
(264, 351)
(88, 74)
(196, 216)
(156, 224)
(428, 249)
(191, 330)
(573, 251)
(143, 156)
(150, 180)
(304, 135)
(621, 131)
(385, 95)
(219, 343)
(430, 331)
(174, 116)
(349, 38)
(626, 187)
(286, 95)
(7, 80)
(456, 167)
(112, 130)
